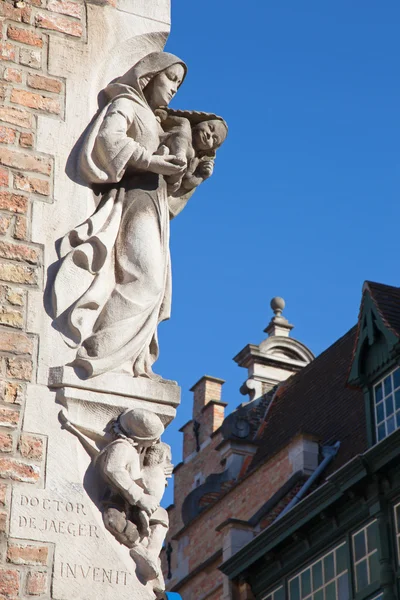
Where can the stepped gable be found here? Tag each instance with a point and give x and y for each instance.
(317, 401)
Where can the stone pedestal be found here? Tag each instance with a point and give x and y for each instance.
(60, 516)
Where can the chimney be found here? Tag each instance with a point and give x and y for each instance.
(207, 389)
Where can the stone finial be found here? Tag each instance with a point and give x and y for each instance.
(278, 304)
(279, 325)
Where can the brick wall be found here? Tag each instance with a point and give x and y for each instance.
(201, 538)
(26, 91)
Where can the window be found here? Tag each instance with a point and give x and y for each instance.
(387, 404)
(380, 597)
(365, 553)
(277, 594)
(325, 579)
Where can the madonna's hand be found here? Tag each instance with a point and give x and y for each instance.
(166, 165)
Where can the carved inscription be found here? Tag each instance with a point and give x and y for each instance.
(63, 524)
(96, 574)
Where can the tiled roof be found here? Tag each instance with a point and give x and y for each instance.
(387, 300)
(317, 401)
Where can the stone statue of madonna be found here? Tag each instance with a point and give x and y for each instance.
(113, 286)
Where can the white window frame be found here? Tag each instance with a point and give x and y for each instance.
(310, 566)
(366, 556)
(392, 394)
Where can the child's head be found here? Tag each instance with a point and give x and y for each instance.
(209, 135)
(158, 454)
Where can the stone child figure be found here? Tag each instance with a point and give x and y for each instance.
(193, 138)
(134, 467)
(113, 285)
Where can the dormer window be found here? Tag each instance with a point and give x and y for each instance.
(387, 404)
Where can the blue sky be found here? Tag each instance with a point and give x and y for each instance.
(304, 202)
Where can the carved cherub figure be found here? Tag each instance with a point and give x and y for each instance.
(194, 139)
(135, 466)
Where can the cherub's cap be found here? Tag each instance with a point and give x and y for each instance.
(141, 425)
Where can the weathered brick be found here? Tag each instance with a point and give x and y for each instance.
(13, 75)
(40, 82)
(49, 21)
(13, 296)
(18, 274)
(21, 228)
(16, 116)
(13, 202)
(6, 442)
(26, 162)
(11, 392)
(7, 51)
(3, 494)
(9, 583)
(15, 342)
(31, 446)
(17, 470)
(64, 7)
(20, 252)
(32, 184)
(9, 417)
(36, 101)
(3, 521)
(27, 12)
(24, 36)
(36, 583)
(26, 140)
(27, 554)
(4, 224)
(19, 368)
(7, 135)
(30, 58)
(4, 177)
(8, 11)
(11, 317)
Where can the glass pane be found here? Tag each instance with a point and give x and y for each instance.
(373, 567)
(306, 583)
(381, 432)
(361, 575)
(343, 587)
(380, 413)
(341, 559)
(329, 567)
(378, 392)
(389, 405)
(387, 384)
(397, 399)
(318, 595)
(279, 594)
(390, 425)
(398, 419)
(330, 591)
(359, 545)
(317, 575)
(396, 378)
(372, 536)
(294, 589)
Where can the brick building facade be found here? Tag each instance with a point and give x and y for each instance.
(301, 471)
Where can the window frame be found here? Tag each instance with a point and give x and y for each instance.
(380, 381)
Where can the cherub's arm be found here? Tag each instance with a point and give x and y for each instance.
(115, 469)
(197, 172)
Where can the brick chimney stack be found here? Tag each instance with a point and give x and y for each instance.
(204, 391)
